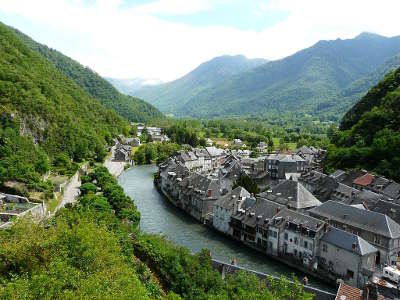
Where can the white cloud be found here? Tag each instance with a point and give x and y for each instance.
(173, 7)
(129, 42)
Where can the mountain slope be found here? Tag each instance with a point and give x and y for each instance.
(358, 89)
(306, 82)
(169, 97)
(44, 116)
(131, 108)
(370, 131)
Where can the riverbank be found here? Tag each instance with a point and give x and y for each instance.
(330, 280)
(161, 217)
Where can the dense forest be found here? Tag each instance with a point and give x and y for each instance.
(46, 119)
(65, 258)
(369, 135)
(133, 109)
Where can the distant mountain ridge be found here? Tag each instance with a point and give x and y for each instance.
(129, 85)
(169, 97)
(316, 80)
(133, 109)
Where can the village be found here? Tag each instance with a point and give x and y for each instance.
(341, 227)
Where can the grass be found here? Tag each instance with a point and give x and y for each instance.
(276, 141)
(222, 142)
(53, 203)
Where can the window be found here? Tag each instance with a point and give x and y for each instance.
(275, 234)
(350, 274)
(310, 246)
(324, 248)
(295, 240)
(286, 236)
(295, 252)
(376, 239)
(306, 244)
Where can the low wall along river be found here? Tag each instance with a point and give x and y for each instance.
(159, 216)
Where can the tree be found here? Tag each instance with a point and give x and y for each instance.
(248, 183)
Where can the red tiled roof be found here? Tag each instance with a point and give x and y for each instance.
(364, 180)
(350, 293)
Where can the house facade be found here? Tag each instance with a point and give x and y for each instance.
(377, 229)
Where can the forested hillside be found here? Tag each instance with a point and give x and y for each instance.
(94, 250)
(370, 132)
(323, 80)
(46, 119)
(133, 109)
(172, 96)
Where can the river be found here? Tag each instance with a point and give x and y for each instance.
(159, 216)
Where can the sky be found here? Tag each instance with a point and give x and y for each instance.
(165, 39)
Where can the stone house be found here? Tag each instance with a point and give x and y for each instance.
(262, 147)
(246, 221)
(123, 153)
(228, 205)
(197, 195)
(347, 256)
(217, 156)
(280, 164)
(378, 229)
(295, 235)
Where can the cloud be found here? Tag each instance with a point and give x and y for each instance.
(123, 41)
(173, 7)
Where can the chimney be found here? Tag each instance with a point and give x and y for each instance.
(326, 226)
(209, 193)
(278, 209)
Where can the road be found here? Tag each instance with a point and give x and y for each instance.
(71, 191)
(114, 167)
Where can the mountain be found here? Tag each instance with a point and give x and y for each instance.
(309, 81)
(170, 97)
(46, 119)
(133, 109)
(358, 88)
(369, 135)
(130, 85)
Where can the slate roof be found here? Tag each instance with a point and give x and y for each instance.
(213, 151)
(368, 220)
(392, 191)
(338, 174)
(390, 209)
(262, 209)
(227, 200)
(187, 156)
(307, 222)
(285, 157)
(346, 240)
(293, 194)
(199, 183)
(365, 197)
(305, 150)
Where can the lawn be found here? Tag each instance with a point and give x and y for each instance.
(222, 142)
(291, 146)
